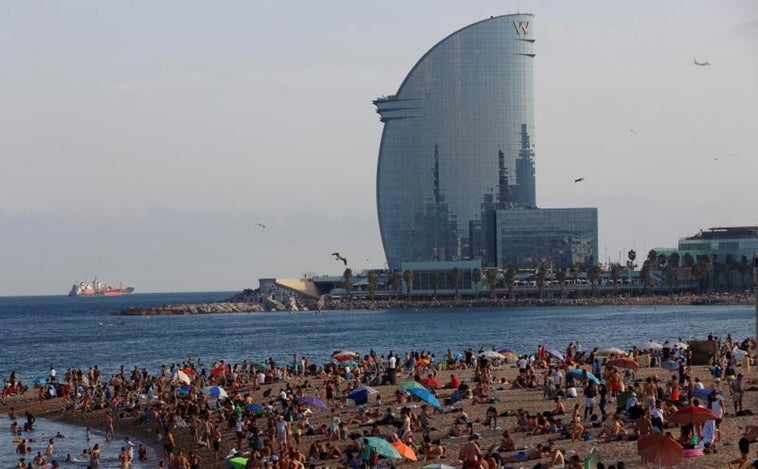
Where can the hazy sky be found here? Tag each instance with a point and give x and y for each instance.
(142, 141)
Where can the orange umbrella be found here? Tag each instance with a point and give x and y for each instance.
(190, 372)
(692, 415)
(431, 382)
(623, 362)
(660, 449)
(404, 450)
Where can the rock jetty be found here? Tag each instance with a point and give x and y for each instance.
(192, 309)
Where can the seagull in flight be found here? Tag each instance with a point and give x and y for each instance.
(337, 257)
(701, 64)
(632, 131)
(578, 180)
(260, 225)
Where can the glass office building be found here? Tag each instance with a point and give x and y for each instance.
(458, 144)
(548, 237)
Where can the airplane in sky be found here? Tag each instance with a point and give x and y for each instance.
(702, 64)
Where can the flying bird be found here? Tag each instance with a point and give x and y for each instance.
(578, 180)
(337, 257)
(701, 64)
(261, 225)
(632, 131)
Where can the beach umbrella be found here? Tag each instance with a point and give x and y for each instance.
(579, 373)
(382, 446)
(438, 466)
(430, 382)
(404, 450)
(650, 345)
(344, 355)
(181, 377)
(671, 365)
(506, 350)
(556, 354)
(692, 415)
(408, 385)
(260, 366)
(255, 408)
(681, 345)
(190, 372)
(623, 362)
(592, 458)
(610, 351)
(510, 356)
(184, 389)
(426, 396)
(238, 462)
(310, 400)
(39, 381)
(216, 392)
(492, 355)
(660, 449)
(218, 371)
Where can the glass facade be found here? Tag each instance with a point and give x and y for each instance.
(458, 144)
(721, 242)
(551, 237)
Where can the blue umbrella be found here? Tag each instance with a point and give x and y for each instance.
(426, 396)
(184, 389)
(310, 400)
(39, 381)
(360, 395)
(216, 392)
(578, 373)
(671, 365)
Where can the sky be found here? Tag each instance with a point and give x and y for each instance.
(144, 141)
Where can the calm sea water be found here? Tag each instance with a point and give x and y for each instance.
(38, 332)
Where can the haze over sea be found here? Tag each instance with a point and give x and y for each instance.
(80, 332)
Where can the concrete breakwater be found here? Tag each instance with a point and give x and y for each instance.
(192, 309)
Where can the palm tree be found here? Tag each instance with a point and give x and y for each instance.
(491, 275)
(631, 255)
(594, 274)
(687, 260)
(727, 268)
(561, 277)
(615, 274)
(652, 256)
(476, 277)
(541, 281)
(645, 273)
(372, 280)
(700, 272)
(662, 261)
(397, 282)
(408, 277)
(456, 276)
(510, 281)
(434, 279)
(716, 270)
(672, 266)
(347, 280)
(744, 269)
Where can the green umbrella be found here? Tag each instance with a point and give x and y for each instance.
(592, 458)
(412, 384)
(382, 446)
(261, 366)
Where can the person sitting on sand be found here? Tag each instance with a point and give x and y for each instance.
(611, 428)
(457, 429)
(506, 442)
(643, 425)
(470, 453)
(576, 463)
(556, 459)
(576, 429)
(433, 450)
(559, 408)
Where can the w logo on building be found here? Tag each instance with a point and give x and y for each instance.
(522, 27)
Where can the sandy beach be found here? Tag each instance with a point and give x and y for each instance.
(501, 395)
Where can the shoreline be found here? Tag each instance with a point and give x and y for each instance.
(234, 305)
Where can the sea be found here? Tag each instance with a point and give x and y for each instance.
(61, 332)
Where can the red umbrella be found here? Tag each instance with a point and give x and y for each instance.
(623, 362)
(431, 382)
(692, 415)
(660, 449)
(344, 355)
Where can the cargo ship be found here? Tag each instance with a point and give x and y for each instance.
(98, 288)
